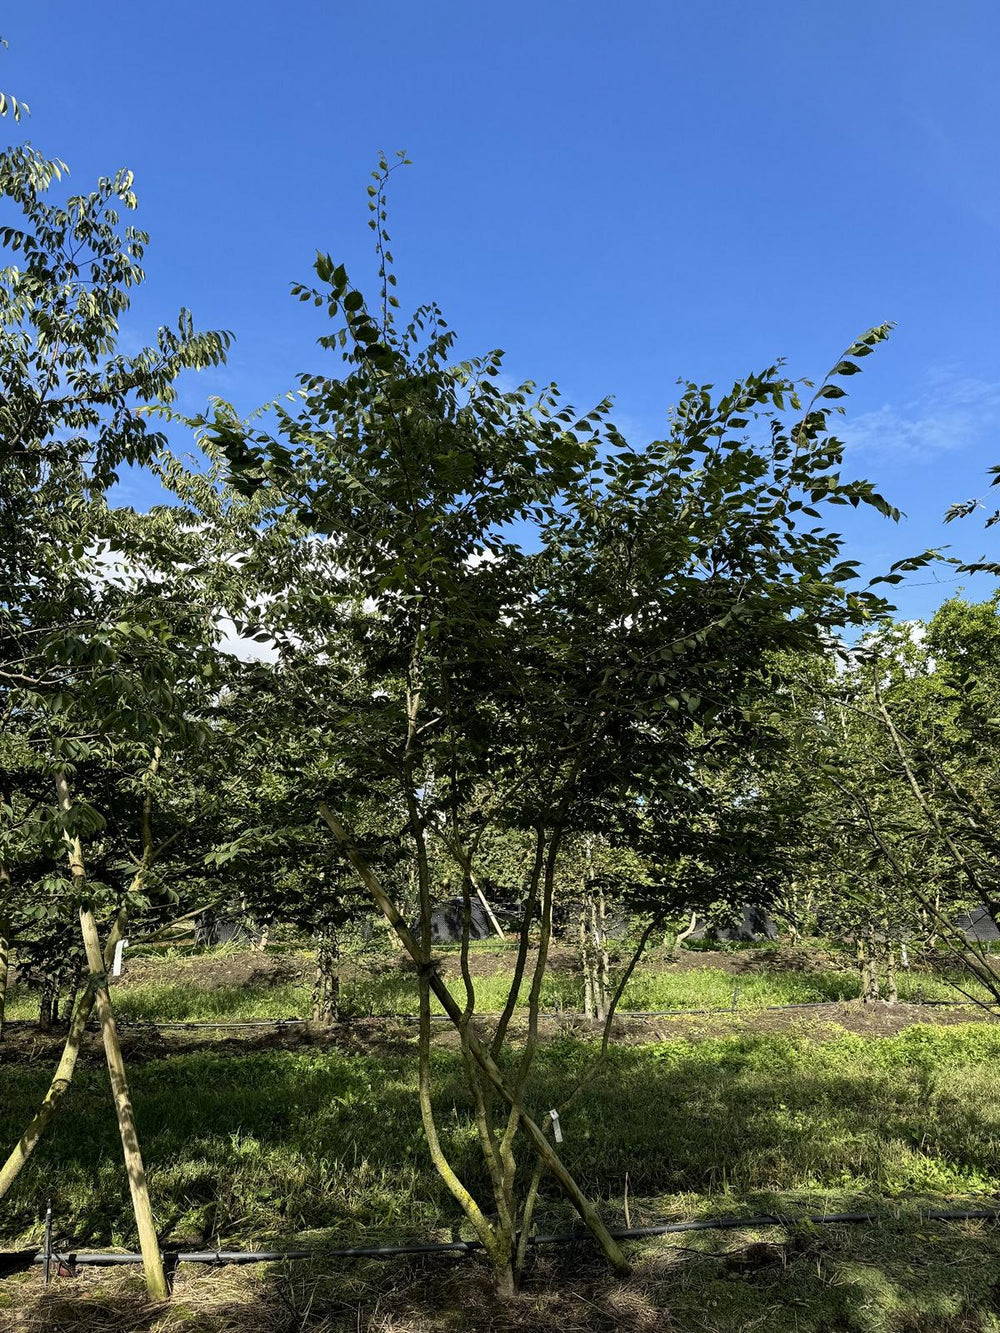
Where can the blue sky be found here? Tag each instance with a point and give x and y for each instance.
(616, 195)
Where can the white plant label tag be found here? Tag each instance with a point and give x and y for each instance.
(116, 966)
(556, 1127)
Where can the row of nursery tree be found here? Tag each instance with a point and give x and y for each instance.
(497, 647)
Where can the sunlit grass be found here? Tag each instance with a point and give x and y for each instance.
(183, 996)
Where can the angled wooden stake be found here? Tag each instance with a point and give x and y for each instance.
(152, 1260)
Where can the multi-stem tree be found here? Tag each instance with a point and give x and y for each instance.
(484, 590)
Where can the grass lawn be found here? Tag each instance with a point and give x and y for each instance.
(325, 1147)
(285, 1144)
(249, 1146)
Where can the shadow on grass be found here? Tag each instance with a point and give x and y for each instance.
(281, 1144)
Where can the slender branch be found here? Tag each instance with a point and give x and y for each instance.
(522, 948)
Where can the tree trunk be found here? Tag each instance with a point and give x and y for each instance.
(480, 1053)
(500, 1255)
(868, 978)
(686, 932)
(4, 969)
(490, 915)
(588, 984)
(530, 903)
(326, 986)
(4, 943)
(932, 938)
(6, 798)
(63, 1076)
(891, 988)
(873, 961)
(45, 1006)
(72, 993)
(604, 962)
(80, 1004)
(152, 1260)
(593, 943)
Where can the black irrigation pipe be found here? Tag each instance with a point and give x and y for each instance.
(223, 1023)
(784, 1220)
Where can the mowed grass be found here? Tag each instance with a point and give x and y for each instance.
(186, 1001)
(181, 996)
(268, 1147)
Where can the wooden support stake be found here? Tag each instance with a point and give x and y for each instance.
(149, 1245)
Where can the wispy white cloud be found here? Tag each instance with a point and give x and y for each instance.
(952, 413)
(113, 568)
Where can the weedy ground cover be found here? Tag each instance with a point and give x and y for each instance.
(174, 992)
(319, 1146)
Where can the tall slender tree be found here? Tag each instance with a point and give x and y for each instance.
(70, 418)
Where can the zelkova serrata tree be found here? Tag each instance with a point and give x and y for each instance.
(587, 664)
(69, 419)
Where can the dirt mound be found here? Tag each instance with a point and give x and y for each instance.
(215, 971)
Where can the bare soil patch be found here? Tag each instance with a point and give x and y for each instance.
(216, 971)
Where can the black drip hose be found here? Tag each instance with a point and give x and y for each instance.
(786, 1220)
